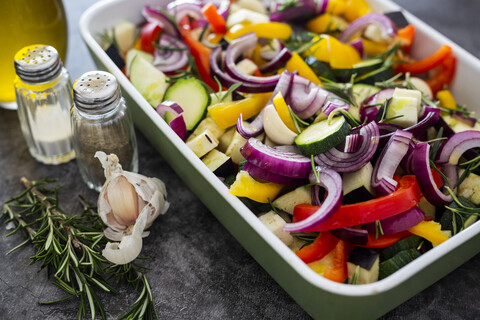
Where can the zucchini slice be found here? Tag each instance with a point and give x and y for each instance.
(377, 75)
(322, 136)
(192, 96)
(359, 69)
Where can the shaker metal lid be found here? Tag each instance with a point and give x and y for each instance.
(95, 90)
(37, 63)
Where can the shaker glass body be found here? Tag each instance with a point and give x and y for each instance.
(106, 127)
(44, 114)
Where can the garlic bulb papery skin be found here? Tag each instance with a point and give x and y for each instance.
(128, 204)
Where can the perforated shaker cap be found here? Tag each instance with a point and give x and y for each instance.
(96, 92)
(37, 63)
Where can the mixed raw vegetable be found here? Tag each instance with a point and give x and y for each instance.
(354, 154)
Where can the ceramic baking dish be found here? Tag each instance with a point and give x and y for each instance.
(321, 298)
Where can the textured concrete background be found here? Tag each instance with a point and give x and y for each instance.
(198, 270)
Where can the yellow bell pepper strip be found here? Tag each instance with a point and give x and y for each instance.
(226, 114)
(344, 57)
(446, 99)
(429, 230)
(325, 23)
(339, 55)
(355, 9)
(373, 48)
(269, 30)
(246, 186)
(296, 63)
(336, 7)
(283, 112)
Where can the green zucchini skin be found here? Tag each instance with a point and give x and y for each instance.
(322, 136)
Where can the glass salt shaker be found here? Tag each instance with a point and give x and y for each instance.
(101, 122)
(44, 97)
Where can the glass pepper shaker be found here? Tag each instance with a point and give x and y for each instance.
(44, 97)
(101, 122)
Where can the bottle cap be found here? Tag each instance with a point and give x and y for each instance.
(96, 92)
(37, 63)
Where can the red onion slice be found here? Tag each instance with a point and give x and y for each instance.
(277, 62)
(170, 106)
(256, 126)
(225, 79)
(262, 174)
(456, 145)
(305, 97)
(351, 235)
(170, 61)
(422, 169)
(353, 143)
(386, 165)
(158, 17)
(368, 111)
(281, 162)
(301, 9)
(332, 182)
(358, 45)
(276, 45)
(178, 123)
(386, 26)
(223, 8)
(421, 127)
(407, 161)
(332, 105)
(399, 222)
(181, 8)
(347, 162)
(234, 50)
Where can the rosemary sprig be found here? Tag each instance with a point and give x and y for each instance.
(69, 248)
(436, 144)
(314, 169)
(383, 110)
(355, 276)
(378, 229)
(288, 4)
(308, 237)
(342, 90)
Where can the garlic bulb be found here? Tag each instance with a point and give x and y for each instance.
(128, 204)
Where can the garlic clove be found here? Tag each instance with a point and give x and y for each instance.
(130, 246)
(123, 200)
(124, 252)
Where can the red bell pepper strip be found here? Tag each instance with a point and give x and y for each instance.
(323, 244)
(428, 63)
(385, 240)
(217, 23)
(150, 33)
(201, 55)
(339, 271)
(444, 76)
(406, 35)
(405, 197)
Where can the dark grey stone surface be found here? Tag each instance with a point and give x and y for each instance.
(198, 270)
